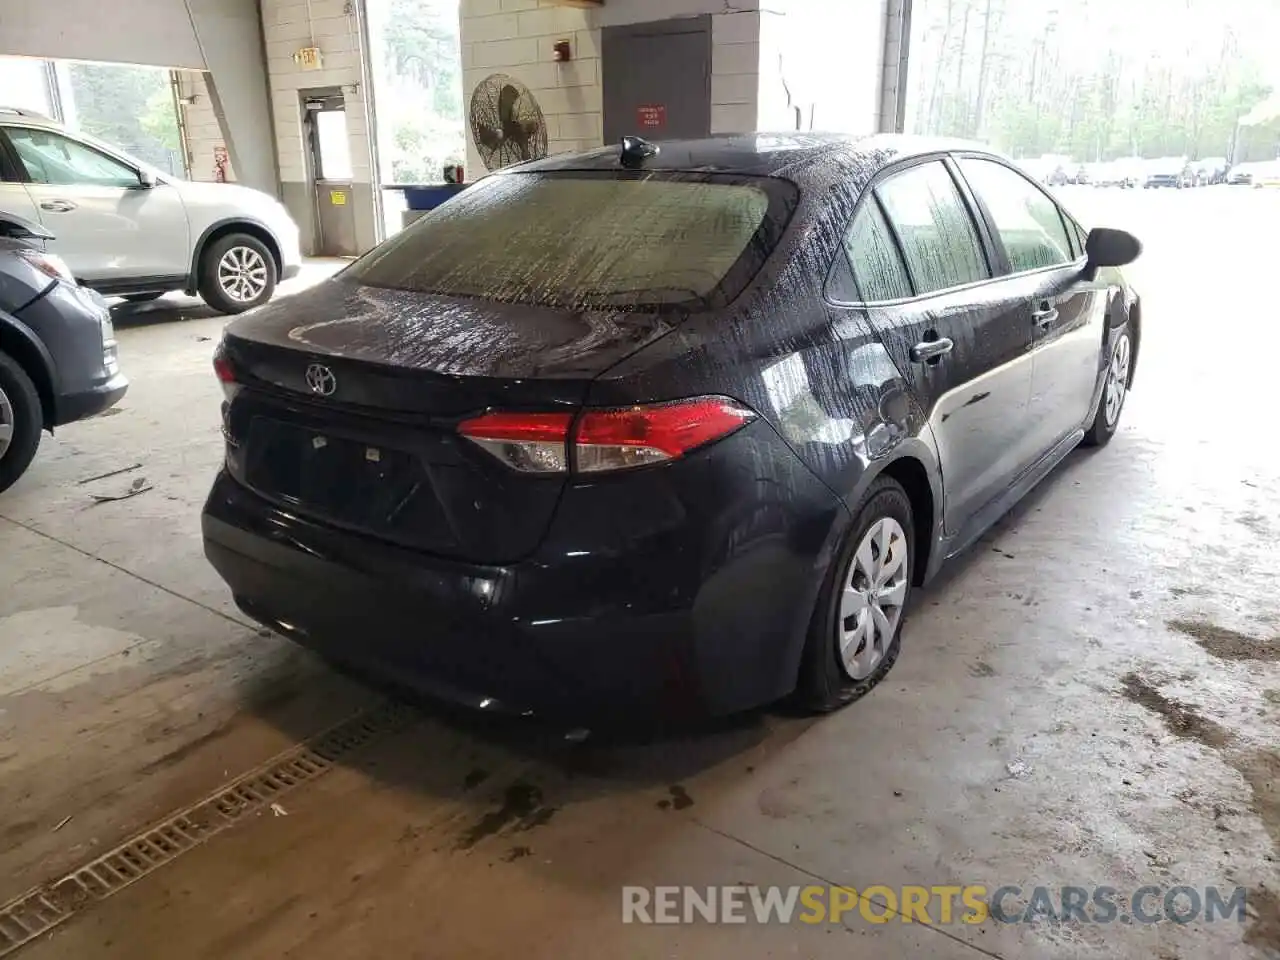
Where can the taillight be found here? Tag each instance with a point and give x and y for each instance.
(636, 436)
(530, 442)
(225, 371)
(605, 440)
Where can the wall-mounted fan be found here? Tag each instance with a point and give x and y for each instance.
(507, 125)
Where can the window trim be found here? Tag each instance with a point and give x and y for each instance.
(65, 135)
(869, 190)
(994, 233)
(784, 198)
(11, 169)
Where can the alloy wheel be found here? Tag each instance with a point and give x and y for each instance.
(1117, 379)
(875, 587)
(242, 274)
(7, 423)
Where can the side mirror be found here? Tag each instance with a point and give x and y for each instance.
(146, 179)
(12, 225)
(1106, 247)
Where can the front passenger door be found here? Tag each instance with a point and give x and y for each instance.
(110, 229)
(1067, 314)
(963, 346)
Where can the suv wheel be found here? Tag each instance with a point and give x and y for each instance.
(20, 421)
(237, 272)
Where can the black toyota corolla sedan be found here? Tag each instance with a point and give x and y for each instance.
(668, 429)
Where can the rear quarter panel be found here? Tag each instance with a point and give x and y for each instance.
(821, 378)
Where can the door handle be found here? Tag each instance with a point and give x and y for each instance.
(58, 206)
(1045, 314)
(931, 351)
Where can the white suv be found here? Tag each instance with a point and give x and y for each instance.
(126, 229)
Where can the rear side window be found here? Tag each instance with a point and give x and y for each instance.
(1028, 221)
(878, 271)
(582, 240)
(939, 239)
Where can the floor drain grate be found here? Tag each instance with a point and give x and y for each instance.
(42, 909)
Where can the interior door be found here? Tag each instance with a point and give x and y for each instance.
(110, 228)
(1067, 315)
(657, 80)
(963, 341)
(326, 123)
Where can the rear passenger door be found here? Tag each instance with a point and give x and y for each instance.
(1039, 250)
(921, 269)
(14, 197)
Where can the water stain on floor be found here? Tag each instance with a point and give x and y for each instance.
(1228, 644)
(521, 806)
(1181, 720)
(1264, 927)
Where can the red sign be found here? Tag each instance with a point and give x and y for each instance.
(652, 116)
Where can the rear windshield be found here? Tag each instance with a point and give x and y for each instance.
(582, 240)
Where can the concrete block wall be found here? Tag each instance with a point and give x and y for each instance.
(334, 27)
(735, 71)
(202, 125)
(517, 37)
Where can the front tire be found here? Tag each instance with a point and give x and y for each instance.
(856, 630)
(21, 419)
(237, 273)
(1114, 391)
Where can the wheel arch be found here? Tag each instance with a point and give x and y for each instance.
(20, 342)
(915, 469)
(1135, 326)
(222, 228)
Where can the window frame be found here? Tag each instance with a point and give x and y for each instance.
(997, 242)
(783, 195)
(895, 242)
(869, 194)
(11, 168)
(25, 176)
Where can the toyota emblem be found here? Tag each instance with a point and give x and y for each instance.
(321, 381)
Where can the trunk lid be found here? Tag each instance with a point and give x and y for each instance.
(370, 443)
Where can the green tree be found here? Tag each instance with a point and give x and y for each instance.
(130, 108)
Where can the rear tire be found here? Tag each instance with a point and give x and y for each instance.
(842, 661)
(21, 419)
(237, 273)
(1114, 391)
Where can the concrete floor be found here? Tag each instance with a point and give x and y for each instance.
(1091, 696)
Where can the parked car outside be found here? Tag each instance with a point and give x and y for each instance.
(127, 229)
(629, 430)
(1119, 173)
(1168, 172)
(1211, 171)
(1242, 174)
(57, 346)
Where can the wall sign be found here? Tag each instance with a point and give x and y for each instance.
(652, 116)
(338, 198)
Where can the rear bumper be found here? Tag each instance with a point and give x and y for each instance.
(581, 630)
(87, 403)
